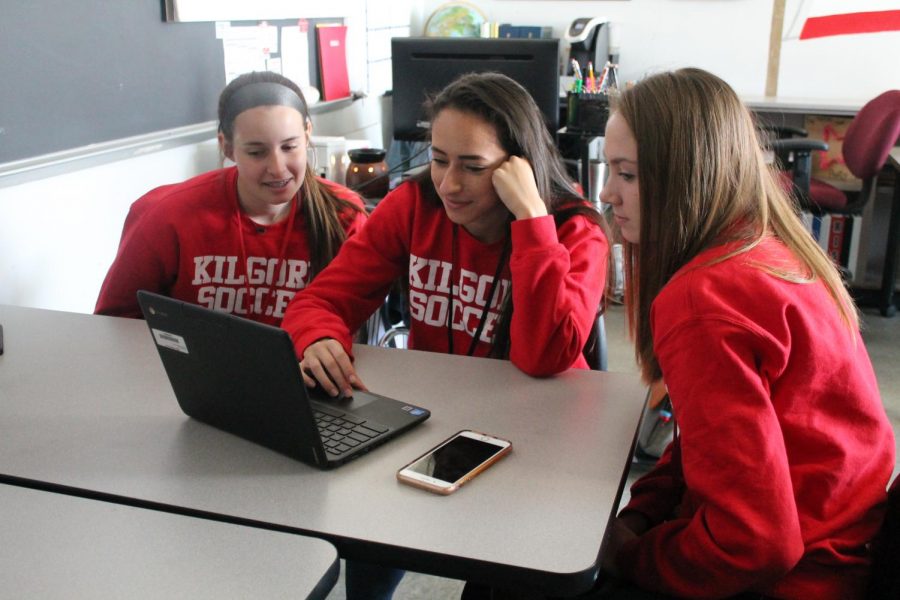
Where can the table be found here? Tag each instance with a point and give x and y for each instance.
(59, 546)
(889, 274)
(85, 406)
(846, 107)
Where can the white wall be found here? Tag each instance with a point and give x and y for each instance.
(59, 235)
(729, 38)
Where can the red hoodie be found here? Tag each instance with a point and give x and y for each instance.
(777, 479)
(557, 279)
(182, 240)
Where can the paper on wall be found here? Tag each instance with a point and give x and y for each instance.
(247, 49)
(295, 54)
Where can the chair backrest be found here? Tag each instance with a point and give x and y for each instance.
(595, 351)
(872, 134)
(884, 581)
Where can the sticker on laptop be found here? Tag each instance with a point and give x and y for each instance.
(170, 341)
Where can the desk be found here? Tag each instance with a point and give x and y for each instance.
(889, 275)
(85, 406)
(845, 107)
(58, 546)
(883, 298)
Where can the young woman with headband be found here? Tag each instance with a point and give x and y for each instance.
(242, 239)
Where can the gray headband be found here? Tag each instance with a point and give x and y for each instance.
(261, 93)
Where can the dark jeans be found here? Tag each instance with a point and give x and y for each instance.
(365, 581)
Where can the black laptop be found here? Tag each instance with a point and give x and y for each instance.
(243, 377)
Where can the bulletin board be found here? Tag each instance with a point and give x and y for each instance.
(92, 71)
(277, 53)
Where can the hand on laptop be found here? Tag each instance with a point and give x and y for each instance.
(326, 364)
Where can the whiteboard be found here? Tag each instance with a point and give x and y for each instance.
(242, 10)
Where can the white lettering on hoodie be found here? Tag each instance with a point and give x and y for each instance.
(264, 285)
(429, 296)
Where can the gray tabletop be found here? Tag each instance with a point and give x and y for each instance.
(59, 546)
(85, 404)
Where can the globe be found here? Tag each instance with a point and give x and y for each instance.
(456, 19)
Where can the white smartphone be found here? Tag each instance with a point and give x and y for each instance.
(455, 461)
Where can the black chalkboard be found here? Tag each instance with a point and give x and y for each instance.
(79, 72)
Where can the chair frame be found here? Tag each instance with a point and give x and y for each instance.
(884, 577)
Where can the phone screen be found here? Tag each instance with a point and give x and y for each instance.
(454, 459)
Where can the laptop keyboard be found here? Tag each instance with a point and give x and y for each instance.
(341, 432)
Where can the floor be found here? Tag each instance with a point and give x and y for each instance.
(882, 338)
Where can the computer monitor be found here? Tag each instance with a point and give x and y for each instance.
(423, 66)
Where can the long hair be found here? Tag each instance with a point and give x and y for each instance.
(521, 131)
(323, 211)
(704, 182)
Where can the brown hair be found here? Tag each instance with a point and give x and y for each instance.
(322, 209)
(704, 182)
(521, 131)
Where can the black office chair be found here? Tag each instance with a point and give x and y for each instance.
(595, 351)
(866, 145)
(775, 138)
(392, 321)
(397, 336)
(884, 578)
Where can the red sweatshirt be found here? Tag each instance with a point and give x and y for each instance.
(557, 280)
(183, 241)
(777, 479)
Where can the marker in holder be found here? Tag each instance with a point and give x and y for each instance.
(587, 113)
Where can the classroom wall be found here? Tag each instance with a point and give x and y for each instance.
(59, 234)
(729, 38)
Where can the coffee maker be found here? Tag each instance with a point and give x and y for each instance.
(588, 39)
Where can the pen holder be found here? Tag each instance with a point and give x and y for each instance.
(587, 113)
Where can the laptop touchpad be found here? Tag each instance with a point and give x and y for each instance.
(358, 399)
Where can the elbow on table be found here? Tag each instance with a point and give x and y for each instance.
(542, 365)
(130, 311)
(536, 370)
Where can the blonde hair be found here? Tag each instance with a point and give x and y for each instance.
(704, 182)
(326, 214)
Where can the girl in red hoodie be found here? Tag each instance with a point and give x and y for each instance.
(243, 239)
(776, 479)
(501, 257)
